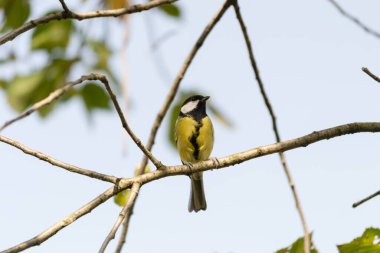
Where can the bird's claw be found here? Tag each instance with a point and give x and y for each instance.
(188, 164)
(215, 161)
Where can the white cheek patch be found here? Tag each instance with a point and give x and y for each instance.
(188, 107)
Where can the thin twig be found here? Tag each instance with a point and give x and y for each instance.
(274, 125)
(92, 77)
(169, 99)
(49, 99)
(55, 162)
(125, 125)
(356, 204)
(64, 6)
(355, 20)
(40, 238)
(230, 160)
(123, 235)
(81, 16)
(374, 77)
(126, 209)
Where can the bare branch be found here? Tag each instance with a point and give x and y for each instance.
(58, 163)
(274, 125)
(123, 235)
(169, 99)
(374, 77)
(87, 208)
(81, 16)
(49, 99)
(125, 125)
(64, 6)
(230, 160)
(354, 19)
(356, 204)
(126, 209)
(59, 92)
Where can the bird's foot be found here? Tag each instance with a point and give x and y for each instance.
(188, 164)
(215, 161)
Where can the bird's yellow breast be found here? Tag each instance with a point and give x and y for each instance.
(195, 140)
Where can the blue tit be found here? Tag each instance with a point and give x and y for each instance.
(194, 135)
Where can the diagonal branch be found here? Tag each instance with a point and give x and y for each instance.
(274, 125)
(169, 99)
(373, 76)
(125, 125)
(356, 204)
(223, 162)
(92, 77)
(49, 99)
(64, 6)
(355, 20)
(81, 16)
(126, 209)
(58, 163)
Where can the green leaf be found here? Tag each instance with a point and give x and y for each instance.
(52, 35)
(298, 247)
(16, 12)
(171, 10)
(103, 54)
(94, 97)
(122, 197)
(3, 84)
(219, 116)
(23, 91)
(367, 243)
(146, 170)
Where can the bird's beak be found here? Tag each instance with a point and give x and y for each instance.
(205, 98)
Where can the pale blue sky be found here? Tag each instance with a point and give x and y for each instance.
(310, 59)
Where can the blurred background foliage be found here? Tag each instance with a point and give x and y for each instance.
(55, 40)
(67, 47)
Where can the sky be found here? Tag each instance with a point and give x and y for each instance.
(310, 59)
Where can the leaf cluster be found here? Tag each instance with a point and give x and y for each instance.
(56, 41)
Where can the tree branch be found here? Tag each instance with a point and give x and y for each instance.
(274, 125)
(59, 92)
(55, 162)
(126, 209)
(354, 19)
(374, 77)
(125, 125)
(169, 99)
(49, 99)
(356, 204)
(64, 6)
(230, 160)
(81, 16)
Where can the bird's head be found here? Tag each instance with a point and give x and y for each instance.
(194, 105)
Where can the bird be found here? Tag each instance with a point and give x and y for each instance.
(194, 136)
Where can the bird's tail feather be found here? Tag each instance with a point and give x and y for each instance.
(197, 200)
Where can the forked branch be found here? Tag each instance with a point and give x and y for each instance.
(223, 162)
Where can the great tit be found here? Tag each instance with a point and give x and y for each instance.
(194, 135)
